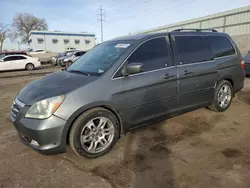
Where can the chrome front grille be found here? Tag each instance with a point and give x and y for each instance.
(17, 105)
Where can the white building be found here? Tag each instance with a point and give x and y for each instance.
(56, 41)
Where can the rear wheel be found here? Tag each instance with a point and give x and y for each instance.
(29, 66)
(223, 96)
(94, 133)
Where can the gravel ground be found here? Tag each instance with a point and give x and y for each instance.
(197, 149)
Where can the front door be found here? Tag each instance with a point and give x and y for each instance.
(152, 93)
(197, 72)
(6, 64)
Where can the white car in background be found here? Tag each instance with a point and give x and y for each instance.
(15, 62)
(37, 52)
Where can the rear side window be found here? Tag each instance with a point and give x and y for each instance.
(190, 49)
(219, 46)
(153, 54)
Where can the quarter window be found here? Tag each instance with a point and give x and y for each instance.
(190, 49)
(153, 54)
(219, 46)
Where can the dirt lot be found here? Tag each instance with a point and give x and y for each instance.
(197, 149)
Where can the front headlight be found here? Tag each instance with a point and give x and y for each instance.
(45, 108)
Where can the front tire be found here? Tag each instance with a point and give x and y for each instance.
(29, 67)
(94, 133)
(223, 96)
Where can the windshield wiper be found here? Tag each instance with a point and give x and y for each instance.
(78, 72)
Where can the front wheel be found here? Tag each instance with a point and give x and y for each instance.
(94, 133)
(29, 67)
(223, 96)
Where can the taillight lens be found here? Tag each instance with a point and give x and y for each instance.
(242, 64)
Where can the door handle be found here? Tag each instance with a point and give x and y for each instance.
(168, 76)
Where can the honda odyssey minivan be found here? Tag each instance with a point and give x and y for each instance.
(126, 83)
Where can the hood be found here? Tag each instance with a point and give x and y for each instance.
(58, 83)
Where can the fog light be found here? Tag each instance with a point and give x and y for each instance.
(34, 143)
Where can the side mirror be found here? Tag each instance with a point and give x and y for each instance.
(132, 68)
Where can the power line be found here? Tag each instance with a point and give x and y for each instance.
(101, 14)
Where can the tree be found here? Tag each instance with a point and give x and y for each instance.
(4, 33)
(23, 23)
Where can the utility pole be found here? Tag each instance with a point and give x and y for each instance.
(101, 15)
(18, 43)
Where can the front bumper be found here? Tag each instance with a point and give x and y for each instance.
(48, 133)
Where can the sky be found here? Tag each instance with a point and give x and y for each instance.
(121, 16)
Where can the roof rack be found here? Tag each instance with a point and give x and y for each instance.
(197, 30)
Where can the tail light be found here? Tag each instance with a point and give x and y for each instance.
(242, 64)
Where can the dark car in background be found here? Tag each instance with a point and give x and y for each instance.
(67, 61)
(56, 59)
(247, 63)
(126, 83)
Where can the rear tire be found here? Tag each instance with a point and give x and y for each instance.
(94, 133)
(29, 67)
(222, 97)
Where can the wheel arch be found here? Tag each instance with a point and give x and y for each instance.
(28, 64)
(230, 80)
(83, 109)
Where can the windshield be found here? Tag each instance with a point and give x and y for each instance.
(100, 59)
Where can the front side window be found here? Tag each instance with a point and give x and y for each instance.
(219, 46)
(190, 49)
(99, 59)
(153, 54)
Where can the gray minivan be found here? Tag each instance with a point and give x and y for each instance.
(126, 83)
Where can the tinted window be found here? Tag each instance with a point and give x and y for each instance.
(14, 58)
(153, 54)
(190, 49)
(219, 46)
